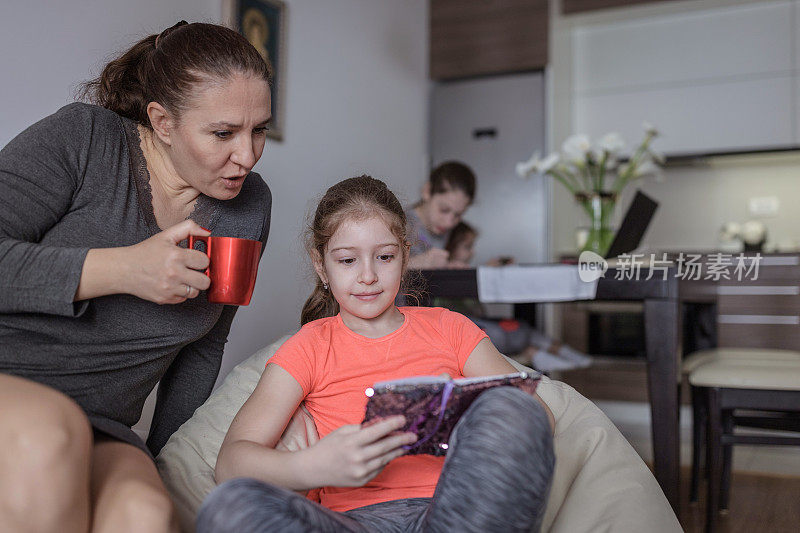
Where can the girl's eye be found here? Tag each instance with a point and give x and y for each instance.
(222, 134)
(386, 257)
(347, 261)
(260, 130)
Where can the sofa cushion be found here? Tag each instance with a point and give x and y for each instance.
(600, 483)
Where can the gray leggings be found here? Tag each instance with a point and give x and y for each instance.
(496, 478)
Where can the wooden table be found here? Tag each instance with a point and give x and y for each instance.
(663, 300)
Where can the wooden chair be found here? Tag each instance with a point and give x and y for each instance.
(739, 387)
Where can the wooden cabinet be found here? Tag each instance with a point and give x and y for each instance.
(483, 37)
(579, 6)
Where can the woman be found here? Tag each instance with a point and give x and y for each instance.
(449, 191)
(98, 300)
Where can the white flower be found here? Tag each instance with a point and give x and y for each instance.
(535, 164)
(730, 231)
(611, 143)
(646, 168)
(753, 232)
(524, 168)
(576, 147)
(649, 129)
(658, 156)
(547, 163)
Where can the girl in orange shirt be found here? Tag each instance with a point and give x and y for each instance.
(499, 464)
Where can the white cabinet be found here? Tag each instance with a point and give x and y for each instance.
(714, 80)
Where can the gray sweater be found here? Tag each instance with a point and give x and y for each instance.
(78, 180)
(421, 239)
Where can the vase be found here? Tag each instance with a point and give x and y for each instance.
(599, 206)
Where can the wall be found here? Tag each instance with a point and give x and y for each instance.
(48, 48)
(695, 200)
(356, 102)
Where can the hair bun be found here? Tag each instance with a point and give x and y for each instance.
(166, 32)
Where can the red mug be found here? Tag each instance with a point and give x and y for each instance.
(233, 265)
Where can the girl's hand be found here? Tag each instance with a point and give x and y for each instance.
(352, 455)
(160, 271)
(300, 433)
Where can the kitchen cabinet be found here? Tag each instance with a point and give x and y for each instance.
(483, 37)
(712, 80)
(569, 7)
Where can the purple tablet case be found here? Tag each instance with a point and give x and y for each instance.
(432, 409)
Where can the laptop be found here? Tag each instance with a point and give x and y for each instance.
(634, 225)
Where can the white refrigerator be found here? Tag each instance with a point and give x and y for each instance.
(491, 124)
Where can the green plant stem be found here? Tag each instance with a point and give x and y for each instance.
(633, 163)
(564, 182)
(566, 179)
(602, 172)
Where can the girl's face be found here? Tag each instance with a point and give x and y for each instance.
(464, 250)
(221, 136)
(442, 211)
(363, 265)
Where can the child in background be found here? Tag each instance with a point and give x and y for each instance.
(461, 244)
(499, 465)
(449, 191)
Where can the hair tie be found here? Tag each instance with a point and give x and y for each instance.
(163, 33)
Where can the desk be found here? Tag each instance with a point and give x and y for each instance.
(662, 299)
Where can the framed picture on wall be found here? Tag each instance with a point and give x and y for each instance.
(263, 23)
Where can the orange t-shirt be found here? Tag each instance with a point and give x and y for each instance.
(335, 365)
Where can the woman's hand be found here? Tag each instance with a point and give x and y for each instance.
(433, 258)
(458, 265)
(502, 260)
(352, 455)
(160, 271)
(300, 433)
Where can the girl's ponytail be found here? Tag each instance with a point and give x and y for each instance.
(320, 304)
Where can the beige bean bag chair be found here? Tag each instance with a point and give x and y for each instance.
(600, 483)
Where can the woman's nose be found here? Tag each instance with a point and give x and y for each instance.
(244, 154)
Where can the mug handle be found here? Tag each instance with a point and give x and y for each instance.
(195, 238)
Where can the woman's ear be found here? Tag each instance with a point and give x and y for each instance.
(426, 192)
(161, 121)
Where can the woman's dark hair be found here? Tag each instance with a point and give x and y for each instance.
(353, 199)
(452, 175)
(167, 67)
(459, 234)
